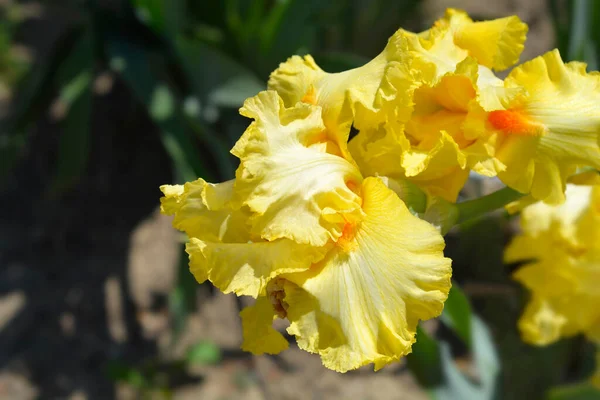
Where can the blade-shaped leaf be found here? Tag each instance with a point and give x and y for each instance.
(182, 299)
(436, 369)
(218, 79)
(425, 360)
(457, 314)
(582, 391)
(289, 28)
(165, 17)
(34, 93)
(146, 76)
(204, 353)
(75, 101)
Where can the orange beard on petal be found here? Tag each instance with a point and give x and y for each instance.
(346, 242)
(515, 122)
(310, 97)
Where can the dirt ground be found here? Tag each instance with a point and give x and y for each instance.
(84, 278)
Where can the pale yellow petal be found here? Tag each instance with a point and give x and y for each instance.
(559, 116)
(246, 268)
(288, 177)
(540, 324)
(435, 168)
(257, 324)
(435, 56)
(560, 221)
(362, 97)
(169, 204)
(204, 210)
(561, 245)
(295, 79)
(362, 303)
(495, 44)
(558, 308)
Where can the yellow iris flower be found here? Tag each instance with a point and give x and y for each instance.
(300, 229)
(561, 245)
(430, 109)
(313, 226)
(412, 102)
(550, 128)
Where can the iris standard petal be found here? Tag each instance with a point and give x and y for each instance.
(288, 176)
(495, 44)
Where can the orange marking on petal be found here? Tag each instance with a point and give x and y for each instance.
(310, 97)
(515, 122)
(353, 186)
(346, 241)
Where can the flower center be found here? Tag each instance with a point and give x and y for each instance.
(276, 295)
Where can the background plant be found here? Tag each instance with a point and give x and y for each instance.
(190, 65)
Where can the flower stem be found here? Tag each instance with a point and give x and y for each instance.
(470, 209)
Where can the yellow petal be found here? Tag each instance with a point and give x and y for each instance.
(246, 268)
(288, 177)
(541, 218)
(495, 44)
(204, 210)
(362, 303)
(540, 324)
(434, 58)
(552, 129)
(257, 324)
(431, 149)
(558, 307)
(561, 245)
(295, 78)
(435, 168)
(363, 97)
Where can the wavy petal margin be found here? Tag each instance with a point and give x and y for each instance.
(362, 303)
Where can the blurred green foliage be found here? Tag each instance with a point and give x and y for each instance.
(12, 64)
(577, 30)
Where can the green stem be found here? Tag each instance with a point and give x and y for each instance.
(477, 207)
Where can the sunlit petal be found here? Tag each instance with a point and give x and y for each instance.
(362, 303)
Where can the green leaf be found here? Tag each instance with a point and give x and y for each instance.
(581, 46)
(204, 353)
(120, 372)
(287, 29)
(75, 100)
(433, 363)
(146, 74)
(162, 103)
(457, 314)
(425, 360)
(165, 17)
(581, 391)
(34, 93)
(182, 300)
(217, 79)
(456, 384)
